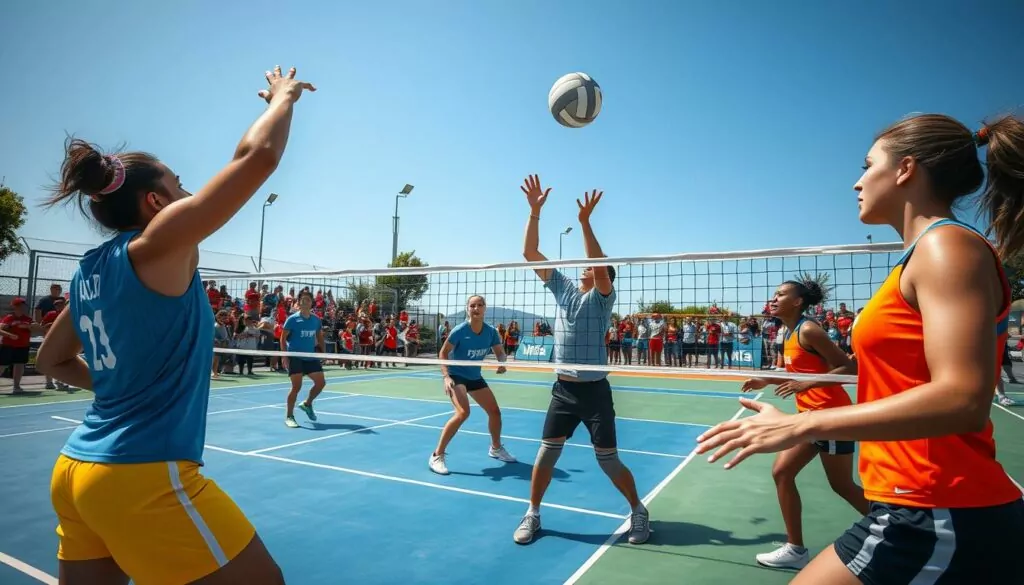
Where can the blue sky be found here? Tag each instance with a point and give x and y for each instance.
(734, 125)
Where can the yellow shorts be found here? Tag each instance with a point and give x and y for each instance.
(160, 522)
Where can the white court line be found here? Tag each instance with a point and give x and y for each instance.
(413, 482)
(483, 434)
(617, 417)
(259, 406)
(66, 419)
(1007, 410)
(333, 435)
(646, 500)
(36, 432)
(28, 569)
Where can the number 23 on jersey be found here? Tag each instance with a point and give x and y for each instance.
(103, 357)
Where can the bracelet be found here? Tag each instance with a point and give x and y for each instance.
(537, 217)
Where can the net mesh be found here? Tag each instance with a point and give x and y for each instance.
(698, 313)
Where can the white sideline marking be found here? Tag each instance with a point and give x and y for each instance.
(1007, 410)
(23, 433)
(259, 406)
(352, 432)
(28, 569)
(617, 417)
(483, 434)
(413, 482)
(66, 419)
(646, 500)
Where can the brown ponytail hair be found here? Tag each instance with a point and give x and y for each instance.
(948, 152)
(86, 173)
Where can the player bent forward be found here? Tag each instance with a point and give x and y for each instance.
(470, 340)
(584, 314)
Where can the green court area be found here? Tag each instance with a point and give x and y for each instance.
(708, 523)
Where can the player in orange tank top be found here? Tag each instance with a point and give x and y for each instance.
(807, 350)
(943, 510)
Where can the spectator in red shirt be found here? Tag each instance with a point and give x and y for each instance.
(390, 339)
(714, 330)
(412, 339)
(252, 301)
(14, 351)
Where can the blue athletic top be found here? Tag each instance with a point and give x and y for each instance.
(149, 356)
(302, 332)
(467, 345)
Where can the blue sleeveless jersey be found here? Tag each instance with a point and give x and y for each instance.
(150, 357)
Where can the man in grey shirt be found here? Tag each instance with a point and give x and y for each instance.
(578, 396)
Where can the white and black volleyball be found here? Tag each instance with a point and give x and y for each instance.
(575, 100)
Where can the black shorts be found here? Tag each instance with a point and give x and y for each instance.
(303, 366)
(471, 385)
(589, 403)
(835, 447)
(895, 545)
(13, 355)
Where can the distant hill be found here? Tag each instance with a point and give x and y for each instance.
(495, 315)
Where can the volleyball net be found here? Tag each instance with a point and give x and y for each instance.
(700, 313)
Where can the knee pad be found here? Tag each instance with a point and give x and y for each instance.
(548, 454)
(610, 463)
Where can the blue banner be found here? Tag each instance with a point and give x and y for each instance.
(747, 355)
(536, 349)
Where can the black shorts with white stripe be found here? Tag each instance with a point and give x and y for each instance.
(895, 545)
(835, 447)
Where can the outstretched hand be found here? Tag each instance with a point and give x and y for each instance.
(535, 194)
(768, 431)
(284, 85)
(588, 204)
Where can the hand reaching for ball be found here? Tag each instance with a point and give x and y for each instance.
(284, 86)
(535, 194)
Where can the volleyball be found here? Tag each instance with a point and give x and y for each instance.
(575, 100)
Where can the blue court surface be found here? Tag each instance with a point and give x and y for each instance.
(350, 497)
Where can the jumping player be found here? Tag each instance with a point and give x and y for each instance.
(807, 350)
(129, 497)
(303, 332)
(943, 509)
(584, 314)
(470, 340)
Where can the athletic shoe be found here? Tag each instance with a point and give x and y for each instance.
(289, 421)
(786, 556)
(527, 529)
(640, 526)
(308, 409)
(437, 464)
(1005, 400)
(501, 454)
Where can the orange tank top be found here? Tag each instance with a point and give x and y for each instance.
(802, 361)
(951, 471)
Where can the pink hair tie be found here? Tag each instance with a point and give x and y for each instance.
(117, 181)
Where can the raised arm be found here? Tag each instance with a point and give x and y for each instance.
(535, 196)
(602, 279)
(177, 230)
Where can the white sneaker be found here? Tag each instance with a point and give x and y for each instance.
(437, 464)
(501, 454)
(527, 529)
(289, 421)
(1005, 400)
(784, 557)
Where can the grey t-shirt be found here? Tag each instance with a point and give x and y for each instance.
(582, 321)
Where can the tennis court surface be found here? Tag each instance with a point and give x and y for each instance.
(349, 498)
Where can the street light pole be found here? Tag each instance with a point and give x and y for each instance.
(560, 236)
(263, 222)
(394, 240)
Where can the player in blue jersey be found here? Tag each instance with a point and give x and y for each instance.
(471, 340)
(303, 332)
(126, 488)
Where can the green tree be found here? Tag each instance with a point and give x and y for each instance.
(655, 307)
(12, 217)
(407, 288)
(823, 279)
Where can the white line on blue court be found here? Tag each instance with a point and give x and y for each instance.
(617, 417)
(412, 481)
(483, 434)
(646, 500)
(1008, 411)
(35, 432)
(27, 569)
(334, 435)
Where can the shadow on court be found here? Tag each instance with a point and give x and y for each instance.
(358, 429)
(667, 533)
(518, 470)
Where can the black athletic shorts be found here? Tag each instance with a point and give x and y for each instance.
(895, 545)
(835, 447)
(589, 403)
(304, 366)
(471, 385)
(13, 355)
